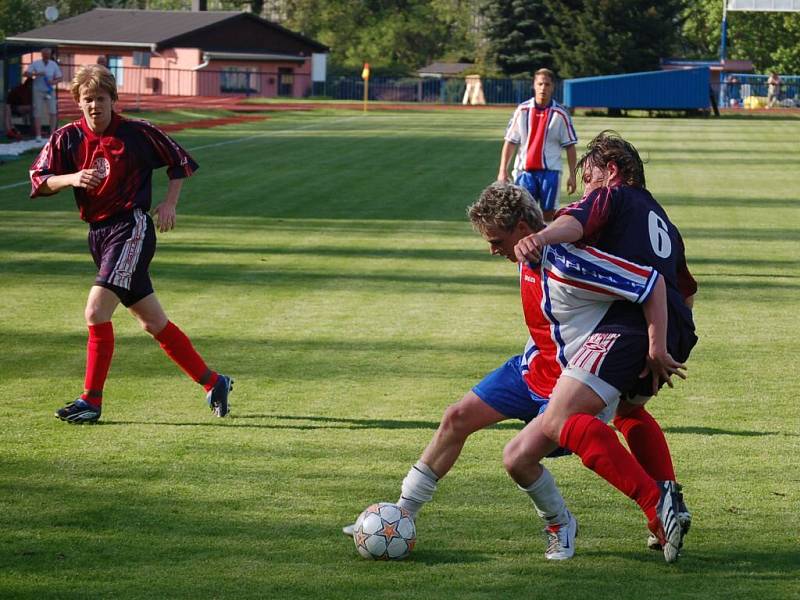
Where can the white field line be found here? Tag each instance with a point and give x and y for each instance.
(9, 186)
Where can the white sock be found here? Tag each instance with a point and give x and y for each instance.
(418, 488)
(547, 499)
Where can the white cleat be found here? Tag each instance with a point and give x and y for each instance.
(665, 527)
(561, 539)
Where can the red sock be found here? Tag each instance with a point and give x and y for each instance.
(179, 348)
(99, 350)
(600, 450)
(647, 443)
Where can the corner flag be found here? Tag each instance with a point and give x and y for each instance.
(365, 72)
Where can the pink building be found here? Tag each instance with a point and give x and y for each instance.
(204, 53)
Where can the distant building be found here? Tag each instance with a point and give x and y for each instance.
(203, 53)
(444, 69)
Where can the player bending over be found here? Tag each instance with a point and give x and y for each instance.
(108, 161)
(564, 297)
(618, 215)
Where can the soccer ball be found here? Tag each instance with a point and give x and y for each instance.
(385, 531)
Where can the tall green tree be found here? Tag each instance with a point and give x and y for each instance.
(770, 40)
(515, 35)
(401, 35)
(603, 37)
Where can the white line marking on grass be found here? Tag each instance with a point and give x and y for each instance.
(217, 144)
(8, 186)
(266, 133)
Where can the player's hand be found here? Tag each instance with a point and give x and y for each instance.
(86, 178)
(572, 184)
(529, 248)
(502, 177)
(661, 366)
(164, 215)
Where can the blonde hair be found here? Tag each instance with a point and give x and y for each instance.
(503, 205)
(94, 77)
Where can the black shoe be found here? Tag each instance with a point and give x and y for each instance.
(79, 411)
(217, 398)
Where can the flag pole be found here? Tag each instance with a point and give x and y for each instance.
(365, 77)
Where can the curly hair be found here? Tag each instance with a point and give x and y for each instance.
(503, 205)
(609, 146)
(95, 77)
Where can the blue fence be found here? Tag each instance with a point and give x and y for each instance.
(736, 88)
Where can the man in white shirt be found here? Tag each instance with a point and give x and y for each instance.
(46, 74)
(538, 131)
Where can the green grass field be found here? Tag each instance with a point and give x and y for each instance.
(324, 260)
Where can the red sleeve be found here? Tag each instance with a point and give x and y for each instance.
(593, 212)
(54, 159)
(168, 153)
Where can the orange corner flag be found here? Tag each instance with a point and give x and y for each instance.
(365, 72)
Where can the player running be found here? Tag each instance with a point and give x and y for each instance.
(108, 161)
(564, 297)
(620, 216)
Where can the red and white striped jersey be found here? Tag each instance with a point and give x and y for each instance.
(540, 133)
(565, 297)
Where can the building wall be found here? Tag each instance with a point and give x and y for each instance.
(173, 72)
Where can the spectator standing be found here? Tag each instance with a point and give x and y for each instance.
(46, 74)
(773, 89)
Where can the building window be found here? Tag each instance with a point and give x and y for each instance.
(115, 66)
(141, 59)
(239, 79)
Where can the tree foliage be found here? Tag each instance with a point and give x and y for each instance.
(601, 37)
(770, 40)
(19, 15)
(515, 35)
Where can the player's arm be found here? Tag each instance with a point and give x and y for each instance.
(660, 363)
(572, 162)
(564, 229)
(166, 212)
(86, 178)
(506, 154)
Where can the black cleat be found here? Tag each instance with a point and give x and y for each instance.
(79, 411)
(217, 398)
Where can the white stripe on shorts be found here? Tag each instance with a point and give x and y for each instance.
(126, 263)
(591, 355)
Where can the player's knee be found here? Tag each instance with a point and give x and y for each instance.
(153, 326)
(94, 314)
(455, 422)
(551, 425)
(513, 457)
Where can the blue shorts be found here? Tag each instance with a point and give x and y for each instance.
(543, 186)
(506, 391)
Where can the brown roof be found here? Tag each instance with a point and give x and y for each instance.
(154, 28)
(445, 68)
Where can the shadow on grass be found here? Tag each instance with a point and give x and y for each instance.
(316, 423)
(714, 431)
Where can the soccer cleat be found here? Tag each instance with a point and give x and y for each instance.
(665, 527)
(561, 539)
(79, 411)
(349, 530)
(217, 398)
(684, 519)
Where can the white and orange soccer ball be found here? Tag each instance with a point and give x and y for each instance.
(385, 531)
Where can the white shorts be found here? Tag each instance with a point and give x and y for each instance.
(44, 107)
(607, 392)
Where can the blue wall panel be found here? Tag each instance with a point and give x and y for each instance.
(667, 90)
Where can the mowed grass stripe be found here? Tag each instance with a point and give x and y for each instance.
(332, 272)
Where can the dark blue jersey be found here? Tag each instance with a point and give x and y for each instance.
(628, 222)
